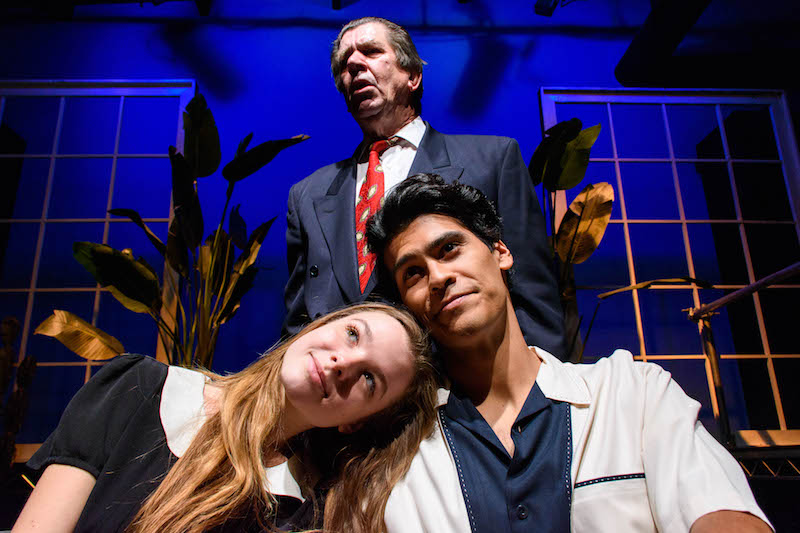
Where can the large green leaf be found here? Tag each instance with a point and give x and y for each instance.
(575, 158)
(79, 336)
(247, 163)
(585, 223)
(201, 138)
(137, 219)
(131, 281)
(177, 253)
(185, 202)
(545, 165)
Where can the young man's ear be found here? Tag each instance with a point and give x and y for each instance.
(504, 258)
(350, 428)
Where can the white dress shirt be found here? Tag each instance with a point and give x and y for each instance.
(395, 160)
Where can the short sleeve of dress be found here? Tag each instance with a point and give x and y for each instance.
(98, 415)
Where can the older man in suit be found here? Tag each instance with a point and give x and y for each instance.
(378, 70)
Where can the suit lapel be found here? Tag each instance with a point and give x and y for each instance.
(432, 157)
(336, 214)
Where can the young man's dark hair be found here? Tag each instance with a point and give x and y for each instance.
(428, 194)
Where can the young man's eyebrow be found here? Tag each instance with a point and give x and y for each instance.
(429, 248)
(369, 338)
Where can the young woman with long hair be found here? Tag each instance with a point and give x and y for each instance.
(148, 448)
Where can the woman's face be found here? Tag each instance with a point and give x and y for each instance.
(347, 370)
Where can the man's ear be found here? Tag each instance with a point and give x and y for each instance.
(414, 81)
(504, 258)
(350, 428)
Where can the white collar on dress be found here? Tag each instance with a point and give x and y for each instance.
(182, 415)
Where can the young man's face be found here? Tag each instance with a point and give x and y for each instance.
(450, 279)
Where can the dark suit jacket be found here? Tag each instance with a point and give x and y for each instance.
(320, 235)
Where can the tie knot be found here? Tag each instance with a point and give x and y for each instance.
(382, 145)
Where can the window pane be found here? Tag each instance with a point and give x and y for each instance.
(614, 325)
(22, 190)
(706, 191)
(772, 247)
(762, 191)
(734, 394)
(144, 185)
(658, 251)
(589, 115)
(34, 120)
(649, 190)
(695, 132)
(639, 130)
(149, 125)
(44, 303)
(58, 268)
(17, 250)
(608, 264)
(667, 328)
(735, 326)
(89, 125)
(786, 371)
(749, 131)
(717, 253)
(13, 304)
(80, 188)
(758, 394)
(781, 315)
(136, 331)
(51, 390)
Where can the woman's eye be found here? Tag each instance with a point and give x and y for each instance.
(352, 334)
(370, 379)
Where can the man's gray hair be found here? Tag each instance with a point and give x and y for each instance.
(407, 57)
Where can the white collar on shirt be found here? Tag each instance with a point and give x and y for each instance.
(411, 135)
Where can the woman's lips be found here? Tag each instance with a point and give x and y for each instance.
(316, 375)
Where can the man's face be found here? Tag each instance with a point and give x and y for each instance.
(372, 81)
(450, 279)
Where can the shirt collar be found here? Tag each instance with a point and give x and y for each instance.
(411, 135)
(557, 381)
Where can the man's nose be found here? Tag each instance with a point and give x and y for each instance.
(439, 277)
(355, 63)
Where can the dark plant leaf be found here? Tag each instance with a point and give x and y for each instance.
(584, 223)
(575, 158)
(79, 336)
(703, 284)
(561, 134)
(242, 148)
(9, 330)
(250, 253)
(538, 162)
(250, 161)
(237, 228)
(131, 282)
(222, 252)
(137, 219)
(240, 284)
(177, 252)
(201, 138)
(186, 204)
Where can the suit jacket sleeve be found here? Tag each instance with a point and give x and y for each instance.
(533, 285)
(296, 257)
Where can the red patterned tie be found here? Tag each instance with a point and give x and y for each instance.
(370, 199)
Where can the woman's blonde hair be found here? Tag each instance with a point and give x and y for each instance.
(221, 475)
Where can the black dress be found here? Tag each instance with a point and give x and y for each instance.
(127, 426)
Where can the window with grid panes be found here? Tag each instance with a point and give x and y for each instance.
(707, 186)
(69, 151)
